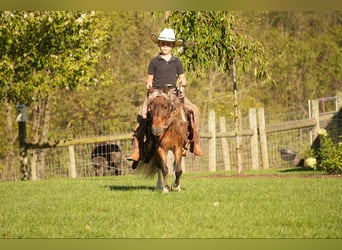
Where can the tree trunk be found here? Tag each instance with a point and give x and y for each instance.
(237, 116)
(10, 172)
(41, 124)
(45, 129)
(35, 138)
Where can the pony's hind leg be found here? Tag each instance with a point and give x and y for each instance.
(160, 186)
(159, 182)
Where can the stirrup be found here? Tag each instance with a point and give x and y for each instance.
(185, 149)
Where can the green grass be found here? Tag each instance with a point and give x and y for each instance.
(257, 206)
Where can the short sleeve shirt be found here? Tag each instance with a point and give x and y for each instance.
(165, 72)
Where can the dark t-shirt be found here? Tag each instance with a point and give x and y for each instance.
(165, 72)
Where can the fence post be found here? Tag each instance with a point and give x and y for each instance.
(339, 100)
(254, 138)
(263, 138)
(33, 167)
(21, 119)
(72, 166)
(212, 141)
(315, 116)
(339, 116)
(225, 149)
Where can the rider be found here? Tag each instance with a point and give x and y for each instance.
(167, 69)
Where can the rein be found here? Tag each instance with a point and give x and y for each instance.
(166, 126)
(173, 114)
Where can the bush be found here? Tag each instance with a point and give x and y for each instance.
(329, 155)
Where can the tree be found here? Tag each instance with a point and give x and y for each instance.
(112, 106)
(214, 42)
(304, 52)
(46, 50)
(43, 51)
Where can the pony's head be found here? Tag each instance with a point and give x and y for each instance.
(160, 109)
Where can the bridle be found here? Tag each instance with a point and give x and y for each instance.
(170, 108)
(173, 111)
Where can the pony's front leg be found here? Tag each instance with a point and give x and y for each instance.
(176, 185)
(178, 171)
(163, 170)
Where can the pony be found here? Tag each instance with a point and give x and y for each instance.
(168, 131)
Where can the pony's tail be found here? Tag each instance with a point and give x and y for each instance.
(148, 169)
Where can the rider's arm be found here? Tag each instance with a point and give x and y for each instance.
(182, 80)
(149, 81)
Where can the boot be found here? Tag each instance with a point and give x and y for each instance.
(136, 154)
(197, 149)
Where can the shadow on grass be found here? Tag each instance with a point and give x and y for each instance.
(130, 188)
(296, 170)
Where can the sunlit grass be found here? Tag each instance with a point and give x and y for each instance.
(258, 206)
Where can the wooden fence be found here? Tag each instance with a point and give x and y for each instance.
(218, 141)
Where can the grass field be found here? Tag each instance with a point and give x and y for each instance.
(263, 204)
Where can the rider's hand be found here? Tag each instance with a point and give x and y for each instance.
(149, 88)
(182, 83)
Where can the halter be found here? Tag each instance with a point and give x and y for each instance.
(174, 112)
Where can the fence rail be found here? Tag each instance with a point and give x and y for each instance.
(260, 148)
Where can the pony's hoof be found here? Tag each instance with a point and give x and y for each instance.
(175, 188)
(165, 190)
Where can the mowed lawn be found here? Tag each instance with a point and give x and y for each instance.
(271, 204)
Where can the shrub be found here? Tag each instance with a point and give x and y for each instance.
(329, 155)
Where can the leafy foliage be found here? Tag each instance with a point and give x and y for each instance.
(329, 155)
(304, 54)
(213, 42)
(112, 104)
(46, 50)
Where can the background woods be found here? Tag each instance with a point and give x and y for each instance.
(83, 73)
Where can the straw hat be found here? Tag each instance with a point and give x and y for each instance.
(167, 35)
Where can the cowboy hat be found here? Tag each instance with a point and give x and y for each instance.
(167, 35)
